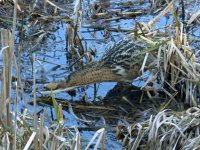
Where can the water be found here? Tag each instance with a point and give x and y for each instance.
(51, 64)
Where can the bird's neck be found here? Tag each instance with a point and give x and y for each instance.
(90, 73)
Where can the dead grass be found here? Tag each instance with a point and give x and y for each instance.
(166, 130)
(176, 68)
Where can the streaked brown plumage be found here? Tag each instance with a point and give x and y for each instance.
(120, 63)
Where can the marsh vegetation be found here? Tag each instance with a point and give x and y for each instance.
(44, 41)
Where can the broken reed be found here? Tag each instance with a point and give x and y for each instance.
(5, 115)
(6, 76)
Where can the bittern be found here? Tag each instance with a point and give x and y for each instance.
(120, 63)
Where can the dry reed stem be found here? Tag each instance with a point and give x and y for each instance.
(54, 5)
(28, 144)
(193, 17)
(7, 71)
(100, 137)
(78, 140)
(41, 129)
(178, 129)
(13, 46)
(161, 14)
(76, 117)
(35, 106)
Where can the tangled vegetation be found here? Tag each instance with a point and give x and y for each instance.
(163, 115)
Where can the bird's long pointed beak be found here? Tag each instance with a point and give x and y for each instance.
(58, 90)
(52, 86)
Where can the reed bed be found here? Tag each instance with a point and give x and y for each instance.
(174, 76)
(176, 71)
(166, 130)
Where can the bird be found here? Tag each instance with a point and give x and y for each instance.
(120, 63)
